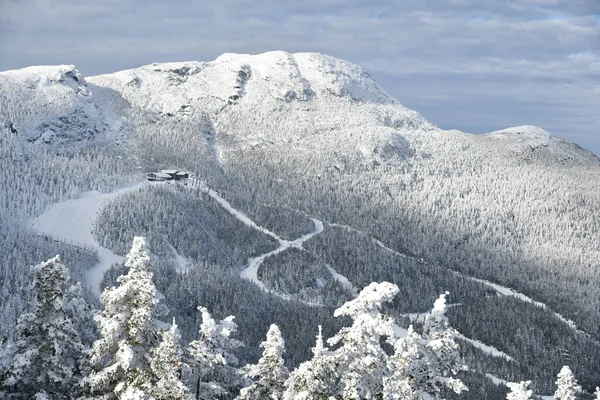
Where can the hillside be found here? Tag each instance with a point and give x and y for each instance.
(289, 139)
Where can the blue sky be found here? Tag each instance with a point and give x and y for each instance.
(474, 65)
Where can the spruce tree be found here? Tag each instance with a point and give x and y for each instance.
(443, 357)
(362, 362)
(519, 391)
(269, 373)
(566, 385)
(409, 371)
(314, 379)
(47, 351)
(212, 357)
(128, 332)
(166, 366)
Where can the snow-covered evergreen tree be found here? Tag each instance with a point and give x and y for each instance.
(269, 373)
(566, 385)
(314, 379)
(128, 331)
(597, 393)
(47, 351)
(409, 371)
(361, 359)
(212, 355)
(166, 366)
(519, 391)
(443, 357)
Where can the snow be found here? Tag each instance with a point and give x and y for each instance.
(485, 348)
(64, 107)
(420, 318)
(345, 282)
(505, 291)
(251, 271)
(73, 220)
(182, 263)
(496, 380)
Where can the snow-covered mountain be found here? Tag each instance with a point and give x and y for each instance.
(50, 105)
(289, 140)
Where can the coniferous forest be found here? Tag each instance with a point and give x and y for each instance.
(329, 244)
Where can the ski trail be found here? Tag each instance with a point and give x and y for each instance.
(506, 291)
(501, 290)
(494, 352)
(73, 220)
(181, 262)
(420, 318)
(251, 271)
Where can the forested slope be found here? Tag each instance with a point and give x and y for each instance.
(290, 137)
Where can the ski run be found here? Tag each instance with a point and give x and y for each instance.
(73, 220)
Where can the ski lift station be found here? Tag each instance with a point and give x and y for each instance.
(168, 175)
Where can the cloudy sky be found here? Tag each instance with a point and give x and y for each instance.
(474, 65)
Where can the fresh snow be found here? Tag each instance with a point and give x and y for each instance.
(251, 271)
(182, 263)
(73, 220)
(420, 318)
(345, 282)
(495, 380)
(505, 291)
(485, 348)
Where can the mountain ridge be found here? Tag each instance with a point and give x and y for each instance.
(182, 90)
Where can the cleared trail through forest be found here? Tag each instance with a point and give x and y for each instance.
(73, 220)
(501, 290)
(251, 271)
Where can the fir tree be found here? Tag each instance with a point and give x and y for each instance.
(361, 359)
(566, 385)
(47, 352)
(410, 373)
(314, 379)
(443, 357)
(212, 355)
(519, 391)
(270, 372)
(128, 331)
(166, 366)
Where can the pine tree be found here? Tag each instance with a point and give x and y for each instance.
(314, 379)
(519, 391)
(443, 357)
(566, 385)
(361, 359)
(47, 352)
(212, 357)
(166, 367)
(270, 372)
(410, 373)
(128, 331)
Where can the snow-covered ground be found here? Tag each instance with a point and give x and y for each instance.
(182, 263)
(505, 291)
(251, 271)
(496, 380)
(420, 318)
(484, 347)
(73, 220)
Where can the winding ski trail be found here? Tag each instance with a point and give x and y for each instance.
(251, 271)
(73, 220)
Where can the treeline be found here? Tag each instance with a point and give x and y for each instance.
(62, 349)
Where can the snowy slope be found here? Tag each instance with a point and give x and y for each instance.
(50, 105)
